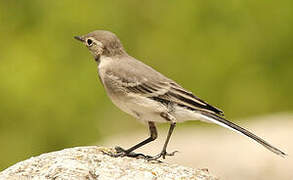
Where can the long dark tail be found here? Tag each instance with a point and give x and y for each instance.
(225, 123)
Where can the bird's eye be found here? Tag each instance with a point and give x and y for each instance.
(89, 42)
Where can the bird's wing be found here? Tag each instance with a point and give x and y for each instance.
(170, 92)
(147, 82)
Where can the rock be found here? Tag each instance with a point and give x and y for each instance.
(91, 163)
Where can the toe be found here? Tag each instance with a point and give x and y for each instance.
(119, 149)
(172, 153)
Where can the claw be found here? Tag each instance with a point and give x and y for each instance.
(119, 149)
(113, 154)
(120, 152)
(162, 154)
(169, 154)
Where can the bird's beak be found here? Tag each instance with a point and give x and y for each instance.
(79, 38)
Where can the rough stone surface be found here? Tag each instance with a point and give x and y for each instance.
(90, 163)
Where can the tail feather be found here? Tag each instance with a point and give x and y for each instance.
(225, 123)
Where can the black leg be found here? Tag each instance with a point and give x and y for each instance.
(172, 126)
(164, 150)
(129, 152)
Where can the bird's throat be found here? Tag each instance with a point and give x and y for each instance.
(98, 58)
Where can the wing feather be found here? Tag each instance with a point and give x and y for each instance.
(166, 92)
(149, 83)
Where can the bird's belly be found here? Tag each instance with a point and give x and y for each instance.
(141, 108)
(146, 109)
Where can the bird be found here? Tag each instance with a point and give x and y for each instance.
(149, 96)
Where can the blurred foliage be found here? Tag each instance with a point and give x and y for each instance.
(237, 55)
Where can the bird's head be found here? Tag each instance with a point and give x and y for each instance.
(102, 43)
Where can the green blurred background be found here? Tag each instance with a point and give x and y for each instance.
(236, 55)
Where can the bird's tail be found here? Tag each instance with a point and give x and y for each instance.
(227, 124)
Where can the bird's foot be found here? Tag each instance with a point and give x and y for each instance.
(120, 152)
(163, 154)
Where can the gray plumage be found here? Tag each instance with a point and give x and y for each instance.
(148, 95)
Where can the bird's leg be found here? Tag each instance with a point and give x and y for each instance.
(120, 152)
(164, 152)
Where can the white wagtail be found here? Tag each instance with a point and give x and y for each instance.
(149, 96)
